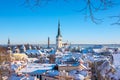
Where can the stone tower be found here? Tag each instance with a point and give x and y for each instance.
(48, 42)
(8, 42)
(59, 37)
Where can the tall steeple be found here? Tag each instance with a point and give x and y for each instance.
(8, 46)
(59, 37)
(8, 42)
(59, 32)
(48, 42)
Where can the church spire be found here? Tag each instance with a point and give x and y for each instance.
(8, 42)
(59, 37)
(48, 42)
(59, 32)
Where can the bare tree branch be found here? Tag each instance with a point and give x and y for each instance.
(118, 20)
(93, 19)
(90, 8)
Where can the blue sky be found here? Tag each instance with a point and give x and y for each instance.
(25, 25)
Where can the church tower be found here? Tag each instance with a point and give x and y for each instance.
(8, 42)
(48, 42)
(9, 46)
(59, 37)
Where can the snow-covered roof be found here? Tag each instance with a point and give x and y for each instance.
(97, 50)
(36, 68)
(59, 53)
(99, 58)
(34, 52)
(13, 77)
(116, 58)
(78, 75)
(52, 73)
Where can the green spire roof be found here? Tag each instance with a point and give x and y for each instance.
(59, 33)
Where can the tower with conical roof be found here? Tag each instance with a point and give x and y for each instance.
(48, 42)
(59, 37)
(8, 42)
(9, 46)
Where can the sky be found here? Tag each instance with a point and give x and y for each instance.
(32, 24)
